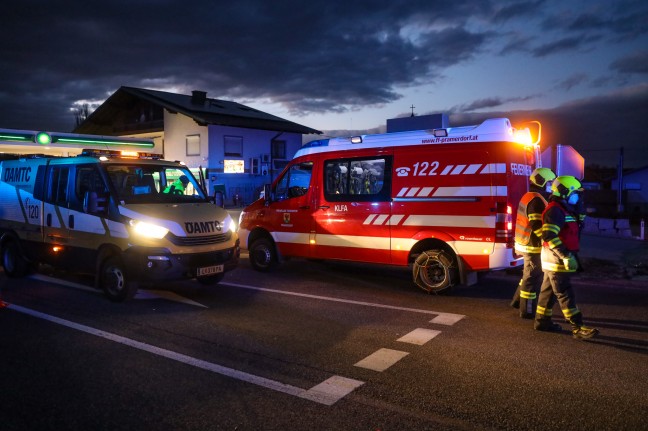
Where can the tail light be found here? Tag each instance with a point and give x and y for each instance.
(504, 223)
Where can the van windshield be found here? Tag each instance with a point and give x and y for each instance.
(147, 183)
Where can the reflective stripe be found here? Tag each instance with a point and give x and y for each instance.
(528, 248)
(551, 227)
(570, 312)
(544, 311)
(527, 295)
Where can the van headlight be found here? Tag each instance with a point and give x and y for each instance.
(229, 225)
(148, 230)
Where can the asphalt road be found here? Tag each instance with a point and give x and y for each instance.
(317, 346)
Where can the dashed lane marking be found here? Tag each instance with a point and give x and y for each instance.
(381, 359)
(419, 336)
(447, 319)
(442, 318)
(328, 392)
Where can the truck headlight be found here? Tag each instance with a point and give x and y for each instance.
(148, 230)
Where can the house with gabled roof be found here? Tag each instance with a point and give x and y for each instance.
(239, 148)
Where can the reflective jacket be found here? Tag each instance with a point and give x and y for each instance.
(528, 223)
(559, 236)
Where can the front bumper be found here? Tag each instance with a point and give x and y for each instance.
(157, 264)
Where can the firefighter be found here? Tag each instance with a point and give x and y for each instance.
(178, 187)
(560, 236)
(528, 240)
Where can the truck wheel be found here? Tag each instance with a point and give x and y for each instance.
(435, 271)
(263, 256)
(15, 265)
(210, 280)
(114, 280)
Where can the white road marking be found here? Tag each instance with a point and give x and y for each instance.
(443, 318)
(447, 319)
(419, 336)
(328, 392)
(381, 359)
(141, 293)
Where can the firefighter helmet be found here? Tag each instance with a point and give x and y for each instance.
(541, 176)
(565, 185)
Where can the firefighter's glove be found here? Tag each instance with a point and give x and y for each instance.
(570, 263)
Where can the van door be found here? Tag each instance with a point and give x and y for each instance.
(55, 210)
(352, 219)
(290, 214)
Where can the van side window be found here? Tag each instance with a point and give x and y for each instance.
(57, 192)
(87, 179)
(295, 181)
(357, 179)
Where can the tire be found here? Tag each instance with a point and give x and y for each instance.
(210, 280)
(263, 256)
(435, 271)
(114, 280)
(15, 265)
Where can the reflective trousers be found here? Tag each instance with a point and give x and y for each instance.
(529, 286)
(556, 286)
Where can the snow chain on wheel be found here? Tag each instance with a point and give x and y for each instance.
(435, 271)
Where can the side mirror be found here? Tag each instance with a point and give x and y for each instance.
(267, 193)
(93, 203)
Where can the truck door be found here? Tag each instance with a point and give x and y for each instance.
(352, 218)
(55, 208)
(290, 214)
(86, 228)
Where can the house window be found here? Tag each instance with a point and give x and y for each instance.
(278, 149)
(233, 146)
(193, 145)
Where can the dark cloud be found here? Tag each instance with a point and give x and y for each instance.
(572, 81)
(635, 63)
(312, 57)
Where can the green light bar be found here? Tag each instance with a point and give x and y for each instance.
(19, 137)
(146, 144)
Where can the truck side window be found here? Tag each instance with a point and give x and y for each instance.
(57, 192)
(357, 179)
(295, 181)
(87, 179)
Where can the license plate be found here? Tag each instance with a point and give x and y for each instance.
(209, 270)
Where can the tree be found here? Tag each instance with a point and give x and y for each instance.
(81, 113)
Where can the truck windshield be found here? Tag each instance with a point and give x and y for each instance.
(148, 183)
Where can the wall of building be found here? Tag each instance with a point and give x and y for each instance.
(176, 129)
(256, 144)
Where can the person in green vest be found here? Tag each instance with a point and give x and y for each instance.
(178, 186)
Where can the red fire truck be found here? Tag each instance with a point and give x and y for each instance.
(441, 200)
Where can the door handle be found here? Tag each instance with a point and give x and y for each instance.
(323, 207)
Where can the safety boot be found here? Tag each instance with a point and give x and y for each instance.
(583, 332)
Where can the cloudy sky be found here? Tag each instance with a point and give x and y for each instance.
(344, 66)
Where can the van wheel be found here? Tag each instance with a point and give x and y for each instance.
(435, 271)
(210, 280)
(263, 256)
(114, 281)
(15, 265)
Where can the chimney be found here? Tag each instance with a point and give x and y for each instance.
(198, 97)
